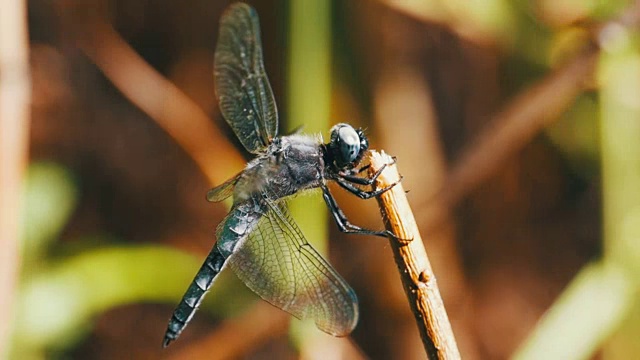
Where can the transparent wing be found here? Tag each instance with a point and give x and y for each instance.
(277, 263)
(242, 87)
(223, 190)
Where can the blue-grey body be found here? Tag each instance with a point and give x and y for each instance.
(258, 239)
(290, 165)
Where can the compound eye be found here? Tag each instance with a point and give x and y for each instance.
(349, 143)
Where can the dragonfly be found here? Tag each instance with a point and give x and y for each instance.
(258, 239)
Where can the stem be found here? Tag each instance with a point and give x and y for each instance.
(308, 106)
(508, 133)
(160, 99)
(15, 97)
(598, 305)
(413, 264)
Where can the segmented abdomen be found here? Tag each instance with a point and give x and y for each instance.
(236, 226)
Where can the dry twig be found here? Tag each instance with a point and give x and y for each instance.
(509, 132)
(15, 95)
(520, 121)
(415, 270)
(169, 107)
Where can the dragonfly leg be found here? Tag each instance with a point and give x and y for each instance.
(363, 194)
(343, 223)
(350, 175)
(355, 171)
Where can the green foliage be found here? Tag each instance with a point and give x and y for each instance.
(50, 197)
(60, 297)
(309, 105)
(602, 300)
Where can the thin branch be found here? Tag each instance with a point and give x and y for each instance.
(509, 132)
(571, 329)
(442, 13)
(169, 107)
(403, 101)
(413, 264)
(520, 121)
(15, 98)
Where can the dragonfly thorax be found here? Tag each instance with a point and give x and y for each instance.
(289, 165)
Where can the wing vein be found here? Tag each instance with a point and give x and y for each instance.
(242, 86)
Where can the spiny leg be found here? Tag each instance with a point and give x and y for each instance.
(355, 171)
(352, 172)
(363, 194)
(363, 181)
(341, 219)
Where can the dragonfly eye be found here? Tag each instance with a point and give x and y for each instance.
(346, 143)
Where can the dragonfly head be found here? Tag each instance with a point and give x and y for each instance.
(347, 146)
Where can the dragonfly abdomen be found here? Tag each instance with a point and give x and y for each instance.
(194, 295)
(242, 219)
(234, 228)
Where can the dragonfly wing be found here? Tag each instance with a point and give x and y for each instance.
(277, 263)
(223, 190)
(242, 87)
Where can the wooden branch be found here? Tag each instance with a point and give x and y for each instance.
(508, 133)
(523, 118)
(15, 96)
(161, 100)
(418, 279)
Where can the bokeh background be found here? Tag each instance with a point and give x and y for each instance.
(516, 125)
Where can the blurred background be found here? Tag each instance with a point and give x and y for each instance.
(516, 125)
